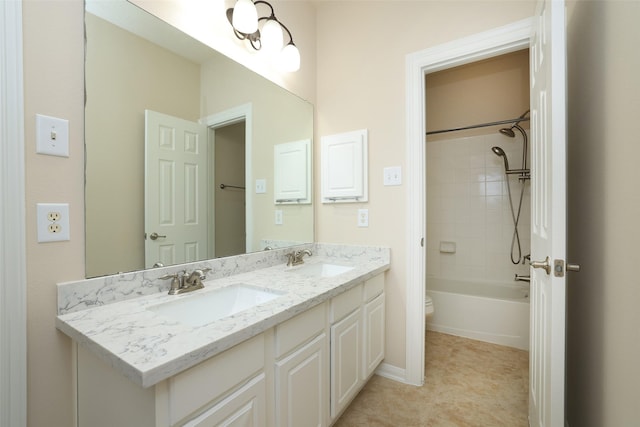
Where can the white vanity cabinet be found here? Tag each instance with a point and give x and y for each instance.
(301, 370)
(228, 389)
(357, 340)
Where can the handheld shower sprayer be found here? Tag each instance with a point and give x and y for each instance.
(500, 153)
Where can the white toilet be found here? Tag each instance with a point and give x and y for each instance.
(428, 307)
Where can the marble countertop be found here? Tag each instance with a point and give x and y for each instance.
(149, 348)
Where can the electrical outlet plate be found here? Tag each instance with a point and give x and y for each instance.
(278, 217)
(363, 217)
(52, 136)
(53, 222)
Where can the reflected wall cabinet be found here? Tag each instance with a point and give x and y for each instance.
(292, 172)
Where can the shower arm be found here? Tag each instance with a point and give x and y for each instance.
(481, 125)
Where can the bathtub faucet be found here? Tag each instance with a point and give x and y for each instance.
(520, 278)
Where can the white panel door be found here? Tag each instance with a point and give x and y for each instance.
(548, 222)
(175, 205)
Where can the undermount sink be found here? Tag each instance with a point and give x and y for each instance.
(201, 308)
(321, 270)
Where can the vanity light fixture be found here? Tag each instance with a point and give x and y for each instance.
(245, 22)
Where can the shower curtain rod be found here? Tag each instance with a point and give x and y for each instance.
(481, 125)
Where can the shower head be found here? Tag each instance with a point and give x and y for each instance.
(500, 153)
(507, 132)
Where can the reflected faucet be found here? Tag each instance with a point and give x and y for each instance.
(295, 257)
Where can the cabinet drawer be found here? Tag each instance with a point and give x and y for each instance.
(373, 287)
(209, 380)
(244, 407)
(345, 303)
(300, 329)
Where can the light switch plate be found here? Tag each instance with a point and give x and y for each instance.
(52, 136)
(393, 175)
(278, 218)
(261, 186)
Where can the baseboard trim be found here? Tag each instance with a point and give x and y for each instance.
(392, 372)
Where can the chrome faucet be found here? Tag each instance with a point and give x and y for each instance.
(181, 282)
(295, 257)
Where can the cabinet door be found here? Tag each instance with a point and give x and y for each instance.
(301, 391)
(374, 333)
(292, 172)
(245, 407)
(346, 357)
(344, 167)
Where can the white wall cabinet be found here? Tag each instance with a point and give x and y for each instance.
(344, 167)
(303, 372)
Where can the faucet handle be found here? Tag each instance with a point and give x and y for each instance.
(176, 280)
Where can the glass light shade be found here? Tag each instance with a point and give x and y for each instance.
(271, 36)
(245, 17)
(290, 58)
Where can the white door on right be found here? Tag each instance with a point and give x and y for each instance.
(548, 221)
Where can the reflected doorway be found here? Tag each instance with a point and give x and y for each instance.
(229, 191)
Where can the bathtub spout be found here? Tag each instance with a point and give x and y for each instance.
(520, 278)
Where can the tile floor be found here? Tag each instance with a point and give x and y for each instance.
(468, 383)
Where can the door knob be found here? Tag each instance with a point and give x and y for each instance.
(545, 265)
(155, 236)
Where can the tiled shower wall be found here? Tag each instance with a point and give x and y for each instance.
(468, 204)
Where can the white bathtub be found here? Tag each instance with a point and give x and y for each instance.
(485, 311)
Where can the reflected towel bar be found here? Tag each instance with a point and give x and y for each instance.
(223, 186)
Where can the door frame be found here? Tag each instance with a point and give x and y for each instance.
(498, 41)
(231, 116)
(13, 280)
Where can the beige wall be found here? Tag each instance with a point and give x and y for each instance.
(361, 84)
(124, 73)
(481, 92)
(603, 345)
(53, 71)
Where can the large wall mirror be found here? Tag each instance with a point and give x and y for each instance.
(149, 87)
